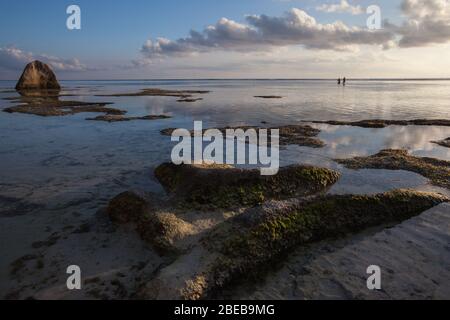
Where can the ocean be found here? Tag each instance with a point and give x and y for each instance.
(58, 172)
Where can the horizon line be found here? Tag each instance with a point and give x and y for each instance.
(254, 79)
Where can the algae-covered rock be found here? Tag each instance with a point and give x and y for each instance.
(241, 248)
(269, 97)
(378, 123)
(223, 186)
(127, 207)
(155, 92)
(162, 230)
(252, 250)
(121, 118)
(438, 171)
(52, 108)
(301, 135)
(37, 76)
(159, 229)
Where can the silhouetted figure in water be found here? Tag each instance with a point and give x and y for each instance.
(344, 81)
(339, 81)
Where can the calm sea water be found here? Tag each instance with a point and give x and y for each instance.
(58, 160)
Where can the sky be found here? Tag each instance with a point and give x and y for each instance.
(175, 39)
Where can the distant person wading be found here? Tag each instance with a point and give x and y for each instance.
(343, 81)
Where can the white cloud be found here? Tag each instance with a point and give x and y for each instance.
(342, 7)
(12, 58)
(427, 22)
(264, 32)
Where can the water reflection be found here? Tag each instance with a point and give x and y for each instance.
(106, 151)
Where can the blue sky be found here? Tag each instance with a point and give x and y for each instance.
(113, 33)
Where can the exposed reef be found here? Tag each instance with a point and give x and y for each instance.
(302, 135)
(46, 103)
(259, 238)
(121, 118)
(155, 226)
(376, 123)
(51, 107)
(443, 143)
(153, 92)
(438, 171)
(266, 217)
(224, 187)
(269, 97)
(252, 251)
(190, 100)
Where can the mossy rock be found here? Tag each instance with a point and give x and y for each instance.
(379, 123)
(301, 135)
(159, 229)
(224, 187)
(252, 250)
(162, 230)
(438, 171)
(127, 207)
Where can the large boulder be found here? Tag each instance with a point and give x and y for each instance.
(37, 76)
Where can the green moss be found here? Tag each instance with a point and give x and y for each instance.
(438, 171)
(250, 251)
(197, 186)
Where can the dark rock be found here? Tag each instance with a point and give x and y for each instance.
(154, 92)
(37, 76)
(269, 97)
(377, 123)
(127, 207)
(121, 118)
(189, 99)
(443, 143)
(302, 135)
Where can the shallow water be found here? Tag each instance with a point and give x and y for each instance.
(58, 171)
(56, 154)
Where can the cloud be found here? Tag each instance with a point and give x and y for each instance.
(262, 32)
(342, 7)
(427, 22)
(12, 58)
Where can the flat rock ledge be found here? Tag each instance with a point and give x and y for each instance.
(438, 171)
(221, 186)
(377, 123)
(269, 97)
(190, 99)
(46, 103)
(154, 92)
(63, 108)
(122, 118)
(301, 135)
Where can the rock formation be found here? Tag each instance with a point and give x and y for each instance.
(37, 76)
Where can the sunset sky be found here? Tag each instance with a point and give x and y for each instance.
(227, 39)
